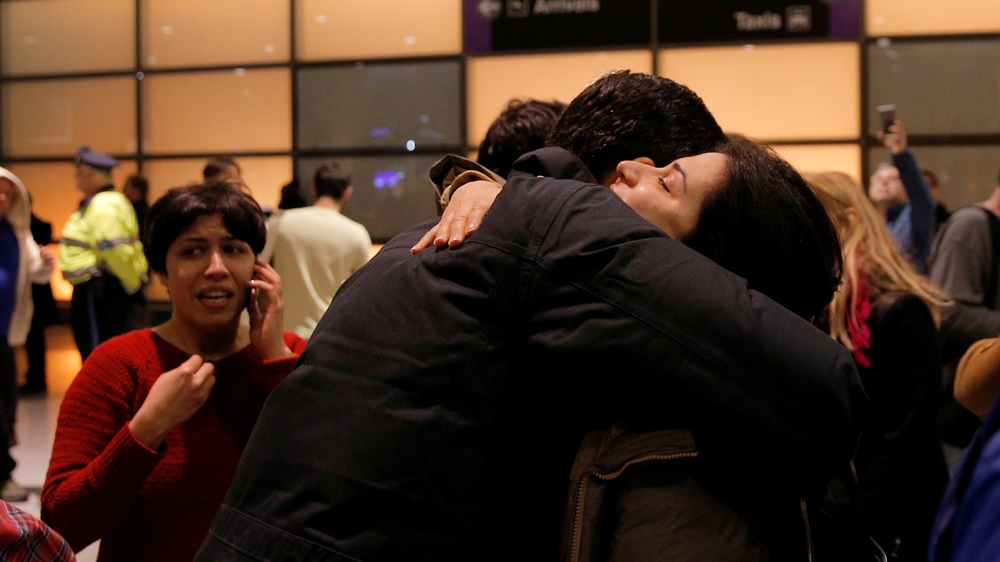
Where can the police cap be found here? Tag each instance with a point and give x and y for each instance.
(95, 159)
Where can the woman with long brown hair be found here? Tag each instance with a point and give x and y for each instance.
(888, 315)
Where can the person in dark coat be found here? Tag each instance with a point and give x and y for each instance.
(136, 189)
(436, 411)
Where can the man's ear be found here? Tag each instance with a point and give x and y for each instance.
(347, 194)
(646, 160)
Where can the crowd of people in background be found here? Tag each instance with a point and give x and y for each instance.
(612, 280)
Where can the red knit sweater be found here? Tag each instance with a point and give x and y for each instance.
(144, 504)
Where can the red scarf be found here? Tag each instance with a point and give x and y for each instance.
(861, 335)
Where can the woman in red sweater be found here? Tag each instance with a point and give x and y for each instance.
(152, 428)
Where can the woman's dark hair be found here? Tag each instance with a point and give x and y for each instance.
(768, 227)
(625, 115)
(176, 211)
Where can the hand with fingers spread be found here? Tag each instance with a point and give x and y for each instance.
(173, 399)
(465, 212)
(267, 312)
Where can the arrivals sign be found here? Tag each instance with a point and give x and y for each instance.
(514, 25)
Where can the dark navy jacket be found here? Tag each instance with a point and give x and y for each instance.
(437, 409)
(967, 528)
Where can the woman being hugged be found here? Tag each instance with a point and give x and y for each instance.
(151, 430)
(887, 315)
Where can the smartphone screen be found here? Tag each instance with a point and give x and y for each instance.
(888, 114)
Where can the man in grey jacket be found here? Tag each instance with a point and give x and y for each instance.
(965, 266)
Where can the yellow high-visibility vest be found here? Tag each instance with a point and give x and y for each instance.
(103, 238)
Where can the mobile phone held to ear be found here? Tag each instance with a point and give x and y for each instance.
(888, 114)
(251, 301)
(261, 301)
(256, 301)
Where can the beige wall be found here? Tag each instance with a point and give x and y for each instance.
(790, 92)
(54, 117)
(494, 81)
(223, 111)
(57, 36)
(931, 17)
(243, 32)
(338, 30)
(264, 175)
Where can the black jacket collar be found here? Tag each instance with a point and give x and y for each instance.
(552, 162)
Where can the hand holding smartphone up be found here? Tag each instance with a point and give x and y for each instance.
(888, 114)
(892, 135)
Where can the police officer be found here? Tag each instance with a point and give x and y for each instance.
(101, 255)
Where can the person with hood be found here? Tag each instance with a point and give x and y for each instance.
(21, 263)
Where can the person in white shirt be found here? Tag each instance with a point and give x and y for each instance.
(314, 249)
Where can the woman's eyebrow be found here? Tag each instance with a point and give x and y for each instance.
(683, 174)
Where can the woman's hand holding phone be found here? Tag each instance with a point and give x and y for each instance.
(266, 309)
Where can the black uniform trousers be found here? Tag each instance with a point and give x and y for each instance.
(101, 310)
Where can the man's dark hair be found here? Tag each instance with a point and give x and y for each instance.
(765, 225)
(522, 127)
(331, 180)
(624, 115)
(216, 165)
(140, 184)
(176, 211)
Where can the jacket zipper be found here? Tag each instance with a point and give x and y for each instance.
(582, 493)
(805, 520)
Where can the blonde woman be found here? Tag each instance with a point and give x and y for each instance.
(887, 315)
